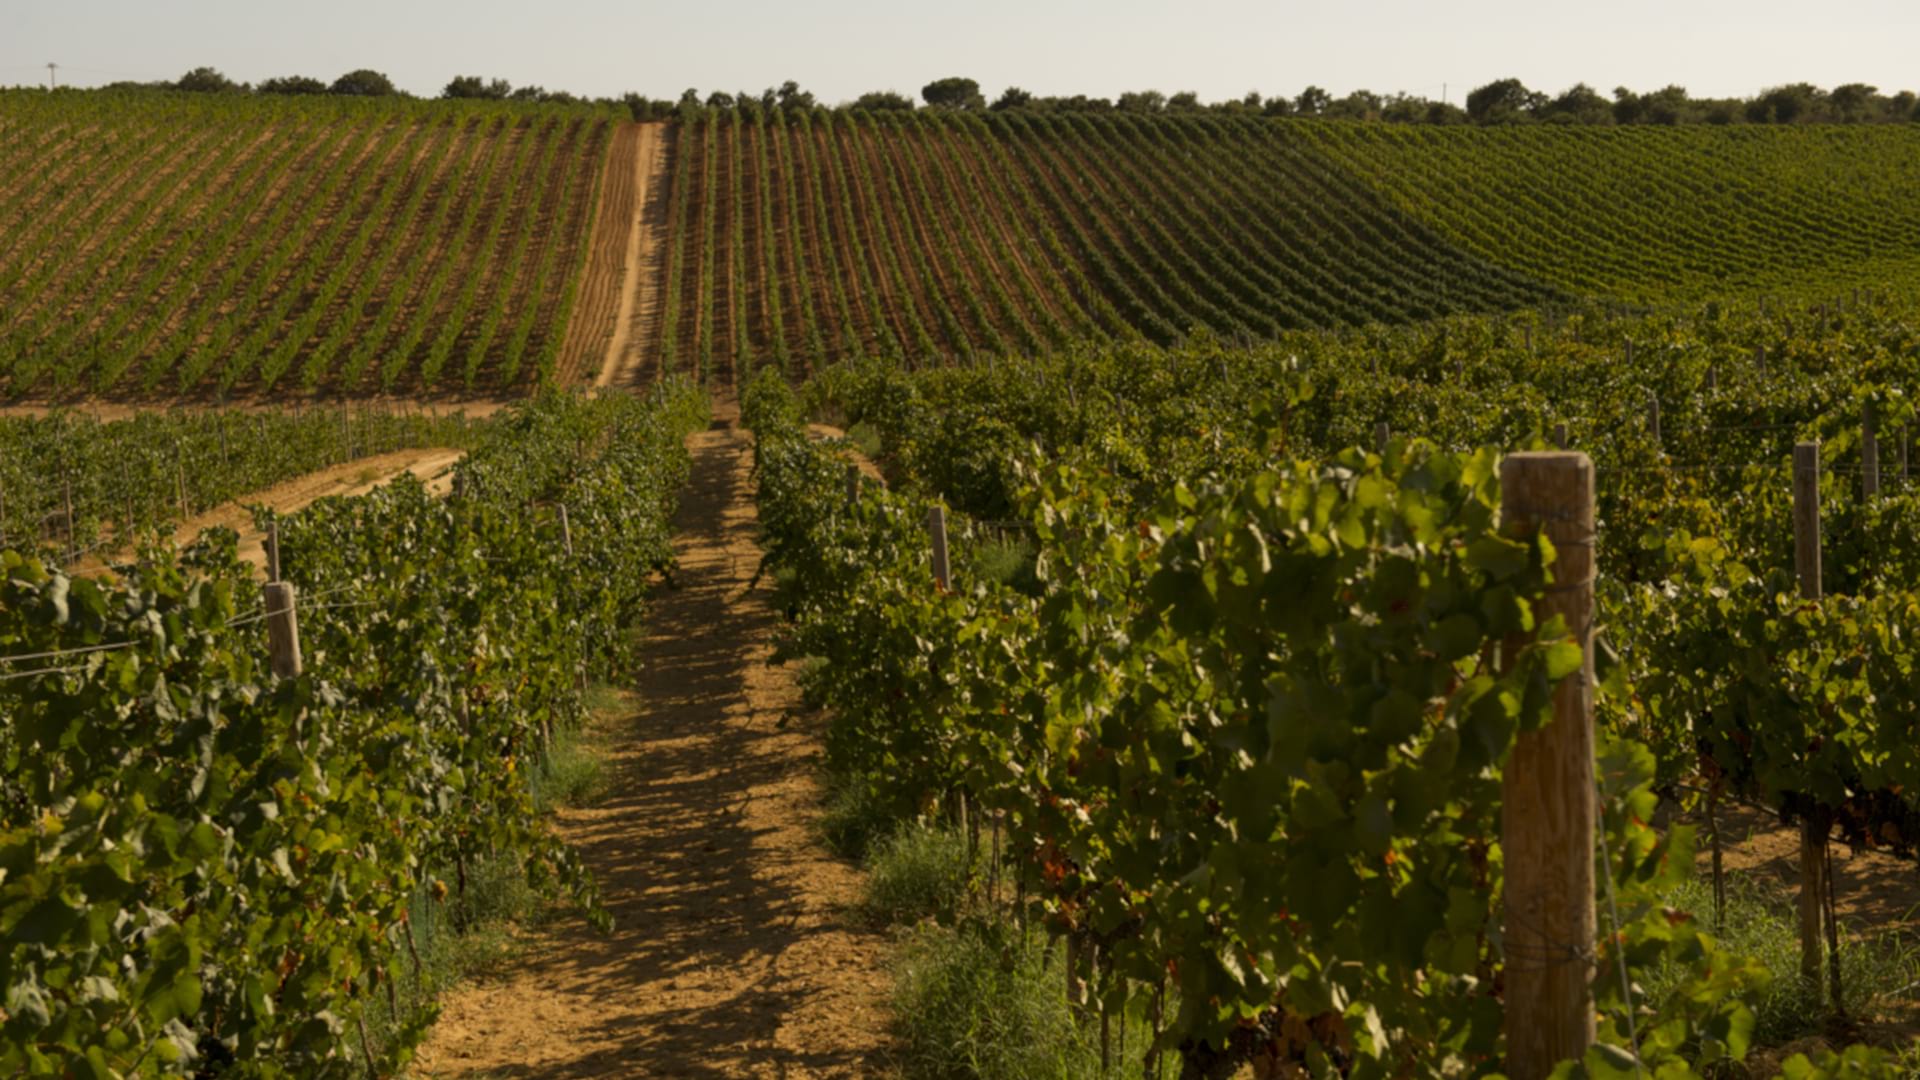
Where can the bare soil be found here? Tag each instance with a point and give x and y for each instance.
(734, 952)
(1874, 891)
(638, 313)
(433, 465)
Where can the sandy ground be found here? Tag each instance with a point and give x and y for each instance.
(734, 954)
(432, 464)
(633, 327)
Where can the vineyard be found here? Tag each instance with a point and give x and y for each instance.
(159, 245)
(805, 237)
(1236, 713)
(1325, 590)
(215, 864)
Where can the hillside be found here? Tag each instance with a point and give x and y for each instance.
(159, 245)
(186, 243)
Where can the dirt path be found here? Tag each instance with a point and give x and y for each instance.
(733, 954)
(433, 465)
(639, 282)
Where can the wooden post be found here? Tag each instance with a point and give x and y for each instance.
(1529, 330)
(273, 550)
(283, 629)
(853, 484)
(1713, 378)
(1760, 359)
(1382, 435)
(1869, 453)
(1629, 352)
(180, 478)
(1550, 810)
(1905, 429)
(1560, 435)
(1653, 417)
(66, 500)
(566, 530)
(346, 433)
(937, 525)
(1813, 840)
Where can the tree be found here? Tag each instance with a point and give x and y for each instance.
(883, 99)
(1444, 112)
(1011, 98)
(292, 84)
(1359, 105)
(1788, 104)
(1669, 105)
(1503, 102)
(1142, 101)
(364, 82)
(953, 92)
(206, 80)
(719, 99)
(472, 86)
(1184, 101)
(1312, 101)
(690, 96)
(792, 97)
(1854, 102)
(1581, 104)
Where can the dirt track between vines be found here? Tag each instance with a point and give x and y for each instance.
(433, 465)
(734, 953)
(638, 309)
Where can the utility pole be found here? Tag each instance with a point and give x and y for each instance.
(50, 82)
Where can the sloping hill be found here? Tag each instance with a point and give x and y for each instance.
(193, 243)
(1654, 213)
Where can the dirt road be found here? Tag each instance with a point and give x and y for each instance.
(733, 954)
(633, 324)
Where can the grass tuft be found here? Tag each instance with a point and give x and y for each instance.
(916, 872)
(980, 1001)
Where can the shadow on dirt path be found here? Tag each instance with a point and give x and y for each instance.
(733, 954)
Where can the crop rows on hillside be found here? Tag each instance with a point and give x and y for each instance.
(1652, 213)
(810, 236)
(159, 244)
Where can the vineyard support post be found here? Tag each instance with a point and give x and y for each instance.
(1382, 435)
(1713, 378)
(66, 501)
(1813, 838)
(1549, 808)
(273, 550)
(1869, 453)
(1905, 430)
(283, 629)
(1653, 417)
(937, 526)
(180, 478)
(853, 484)
(1560, 435)
(566, 530)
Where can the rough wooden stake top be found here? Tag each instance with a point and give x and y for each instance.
(1869, 453)
(1806, 518)
(1549, 810)
(283, 629)
(937, 526)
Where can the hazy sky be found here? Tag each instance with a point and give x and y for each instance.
(838, 48)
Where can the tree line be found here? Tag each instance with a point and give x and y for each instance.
(1504, 101)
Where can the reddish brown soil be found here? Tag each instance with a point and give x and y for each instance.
(733, 953)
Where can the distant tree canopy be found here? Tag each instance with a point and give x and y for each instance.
(1503, 101)
(473, 86)
(206, 80)
(363, 83)
(953, 92)
(883, 99)
(292, 84)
